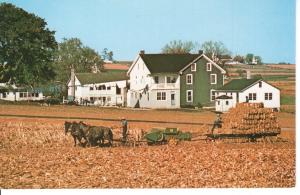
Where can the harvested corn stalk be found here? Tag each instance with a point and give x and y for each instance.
(249, 118)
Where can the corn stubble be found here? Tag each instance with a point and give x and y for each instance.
(39, 155)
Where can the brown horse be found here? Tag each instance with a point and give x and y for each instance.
(96, 135)
(76, 132)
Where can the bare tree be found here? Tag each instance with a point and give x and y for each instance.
(179, 47)
(215, 50)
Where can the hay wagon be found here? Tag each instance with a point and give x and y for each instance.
(248, 121)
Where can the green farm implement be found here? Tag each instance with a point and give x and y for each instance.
(167, 135)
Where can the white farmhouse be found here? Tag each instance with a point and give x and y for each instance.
(246, 90)
(155, 80)
(172, 80)
(107, 88)
(13, 93)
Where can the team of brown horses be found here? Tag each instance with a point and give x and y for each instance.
(92, 135)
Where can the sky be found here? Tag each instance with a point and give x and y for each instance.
(263, 27)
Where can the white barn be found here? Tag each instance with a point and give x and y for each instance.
(13, 93)
(105, 89)
(246, 90)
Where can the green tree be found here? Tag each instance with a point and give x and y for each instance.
(239, 59)
(215, 50)
(179, 47)
(72, 53)
(26, 47)
(107, 55)
(249, 58)
(258, 59)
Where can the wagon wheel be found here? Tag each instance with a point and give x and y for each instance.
(172, 141)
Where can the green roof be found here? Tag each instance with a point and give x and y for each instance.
(103, 77)
(238, 84)
(167, 63)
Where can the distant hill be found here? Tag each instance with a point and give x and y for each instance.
(269, 72)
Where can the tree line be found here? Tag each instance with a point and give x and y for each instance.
(30, 55)
(216, 50)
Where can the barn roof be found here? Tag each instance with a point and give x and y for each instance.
(238, 84)
(102, 77)
(167, 63)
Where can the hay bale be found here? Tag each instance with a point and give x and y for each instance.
(249, 118)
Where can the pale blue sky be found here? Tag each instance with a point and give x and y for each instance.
(262, 27)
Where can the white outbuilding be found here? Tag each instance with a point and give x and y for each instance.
(107, 88)
(246, 90)
(14, 93)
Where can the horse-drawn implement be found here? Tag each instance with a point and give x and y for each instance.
(246, 122)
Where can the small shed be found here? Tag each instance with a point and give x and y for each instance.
(223, 103)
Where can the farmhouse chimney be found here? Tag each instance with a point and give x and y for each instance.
(72, 87)
(142, 52)
(248, 74)
(200, 52)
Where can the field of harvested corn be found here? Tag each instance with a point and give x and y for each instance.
(35, 153)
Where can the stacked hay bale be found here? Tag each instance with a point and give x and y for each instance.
(249, 118)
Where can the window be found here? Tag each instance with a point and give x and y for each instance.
(91, 88)
(4, 95)
(227, 103)
(25, 94)
(213, 95)
(218, 102)
(189, 79)
(213, 79)
(108, 99)
(268, 96)
(208, 66)
(158, 96)
(168, 79)
(193, 67)
(156, 79)
(161, 95)
(171, 79)
(259, 84)
(108, 88)
(189, 95)
(252, 96)
(36, 94)
(21, 95)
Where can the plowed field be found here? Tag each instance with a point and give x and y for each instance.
(35, 153)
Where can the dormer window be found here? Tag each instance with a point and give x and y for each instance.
(193, 67)
(208, 66)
